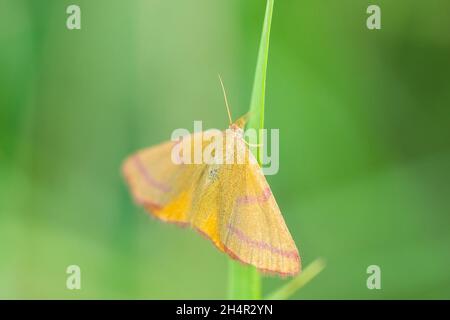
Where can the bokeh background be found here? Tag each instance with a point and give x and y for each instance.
(364, 126)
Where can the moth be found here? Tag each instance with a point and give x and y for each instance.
(229, 202)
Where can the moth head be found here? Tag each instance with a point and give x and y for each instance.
(236, 129)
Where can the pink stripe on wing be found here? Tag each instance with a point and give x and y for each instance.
(261, 244)
(148, 178)
(253, 199)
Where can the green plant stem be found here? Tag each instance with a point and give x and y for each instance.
(257, 102)
(310, 272)
(245, 281)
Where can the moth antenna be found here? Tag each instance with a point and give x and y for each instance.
(226, 100)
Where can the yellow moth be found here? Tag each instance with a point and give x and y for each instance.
(228, 199)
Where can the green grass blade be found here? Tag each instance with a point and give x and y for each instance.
(256, 120)
(245, 281)
(310, 272)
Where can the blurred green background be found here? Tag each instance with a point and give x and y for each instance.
(364, 126)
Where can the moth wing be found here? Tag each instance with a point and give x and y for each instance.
(163, 186)
(234, 207)
(255, 232)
